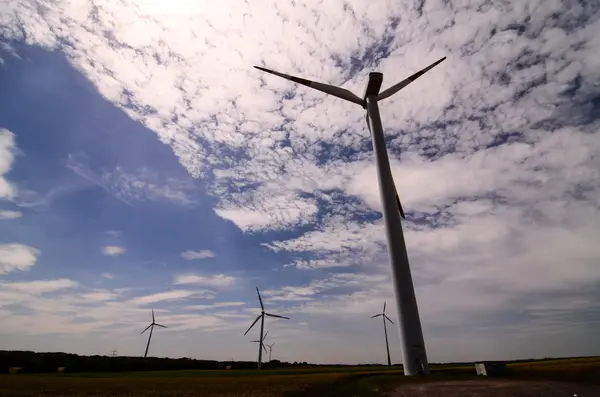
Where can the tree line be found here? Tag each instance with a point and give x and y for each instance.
(33, 362)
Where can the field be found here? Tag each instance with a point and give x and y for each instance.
(297, 382)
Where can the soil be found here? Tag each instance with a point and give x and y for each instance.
(497, 388)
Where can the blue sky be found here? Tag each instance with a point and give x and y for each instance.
(145, 163)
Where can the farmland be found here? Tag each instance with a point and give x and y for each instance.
(293, 382)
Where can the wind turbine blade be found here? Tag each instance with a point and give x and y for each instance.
(146, 329)
(377, 315)
(275, 315)
(397, 87)
(162, 326)
(384, 303)
(387, 318)
(152, 314)
(265, 337)
(263, 346)
(254, 341)
(260, 300)
(339, 92)
(257, 318)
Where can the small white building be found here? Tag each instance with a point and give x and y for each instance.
(490, 368)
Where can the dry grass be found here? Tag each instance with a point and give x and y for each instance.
(583, 370)
(355, 382)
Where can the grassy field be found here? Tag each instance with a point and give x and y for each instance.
(331, 382)
(584, 370)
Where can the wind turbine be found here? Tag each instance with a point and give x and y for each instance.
(387, 345)
(270, 350)
(414, 354)
(114, 353)
(261, 317)
(262, 342)
(151, 326)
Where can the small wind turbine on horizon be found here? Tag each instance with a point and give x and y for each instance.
(262, 342)
(114, 353)
(387, 345)
(151, 327)
(261, 317)
(270, 349)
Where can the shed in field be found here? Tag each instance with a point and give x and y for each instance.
(14, 370)
(490, 368)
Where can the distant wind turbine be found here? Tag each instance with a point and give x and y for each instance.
(151, 327)
(262, 342)
(411, 333)
(114, 352)
(385, 317)
(270, 350)
(261, 317)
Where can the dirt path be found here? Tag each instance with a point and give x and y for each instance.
(496, 388)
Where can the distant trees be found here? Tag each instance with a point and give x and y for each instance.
(32, 362)
(50, 362)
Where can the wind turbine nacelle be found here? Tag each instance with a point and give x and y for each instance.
(374, 85)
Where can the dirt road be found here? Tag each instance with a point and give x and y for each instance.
(497, 388)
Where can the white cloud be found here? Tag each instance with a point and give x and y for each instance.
(336, 281)
(215, 305)
(99, 295)
(113, 250)
(17, 257)
(133, 186)
(7, 147)
(321, 263)
(338, 236)
(145, 184)
(40, 286)
(215, 280)
(108, 275)
(202, 254)
(114, 233)
(173, 295)
(286, 210)
(7, 214)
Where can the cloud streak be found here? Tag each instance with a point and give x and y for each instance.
(113, 250)
(7, 147)
(173, 295)
(7, 214)
(202, 254)
(217, 280)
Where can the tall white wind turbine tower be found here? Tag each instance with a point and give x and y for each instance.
(414, 354)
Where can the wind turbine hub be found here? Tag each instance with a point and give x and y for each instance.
(374, 85)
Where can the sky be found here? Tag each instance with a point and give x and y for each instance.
(145, 164)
